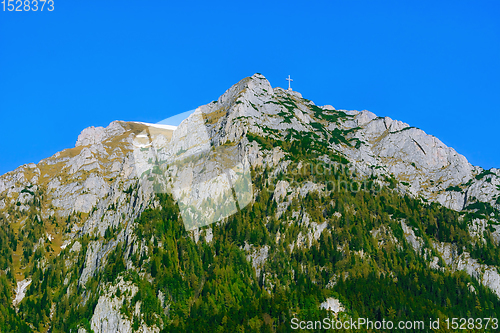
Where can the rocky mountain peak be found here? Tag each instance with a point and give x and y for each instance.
(92, 135)
(133, 198)
(256, 84)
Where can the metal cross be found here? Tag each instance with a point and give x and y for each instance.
(289, 80)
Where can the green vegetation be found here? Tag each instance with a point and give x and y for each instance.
(288, 103)
(482, 210)
(299, 145)
(25, 190)
(9, 320)
(254, 106)
(454, 189)
(332, 116)
(215, 295)
(484, 173)
(337, 136)
(213, 287)
(404, 129)
(391, 180)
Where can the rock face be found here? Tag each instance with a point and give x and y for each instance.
(91, 189)
(420, 160)
(257, 257)
(20, 291)
(102, 186)
(332, 304)
(107, 314)
(94, 135)
(487, 275)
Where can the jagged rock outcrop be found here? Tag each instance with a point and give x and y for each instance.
(20, 291)
(332, 304)
(94, 135)
(487, 275)
(422, 161)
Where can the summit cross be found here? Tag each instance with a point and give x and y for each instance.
(289, 80)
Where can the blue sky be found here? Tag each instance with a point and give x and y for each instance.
(432, 64)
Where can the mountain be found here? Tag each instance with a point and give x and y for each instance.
(259, 208)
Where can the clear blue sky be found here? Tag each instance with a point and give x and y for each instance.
(432, 64)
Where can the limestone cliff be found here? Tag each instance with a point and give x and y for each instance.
(93, 193)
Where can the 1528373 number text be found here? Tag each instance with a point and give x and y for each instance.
(27, 5)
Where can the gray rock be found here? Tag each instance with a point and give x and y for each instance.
(332, 304)
(107, 317)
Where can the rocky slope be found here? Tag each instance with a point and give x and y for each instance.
(82, 205)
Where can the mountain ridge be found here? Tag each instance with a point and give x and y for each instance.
(86, 205)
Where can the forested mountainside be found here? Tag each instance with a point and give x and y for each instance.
(350, 216)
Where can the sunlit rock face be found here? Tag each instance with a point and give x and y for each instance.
(105, 161)
(112, 176)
